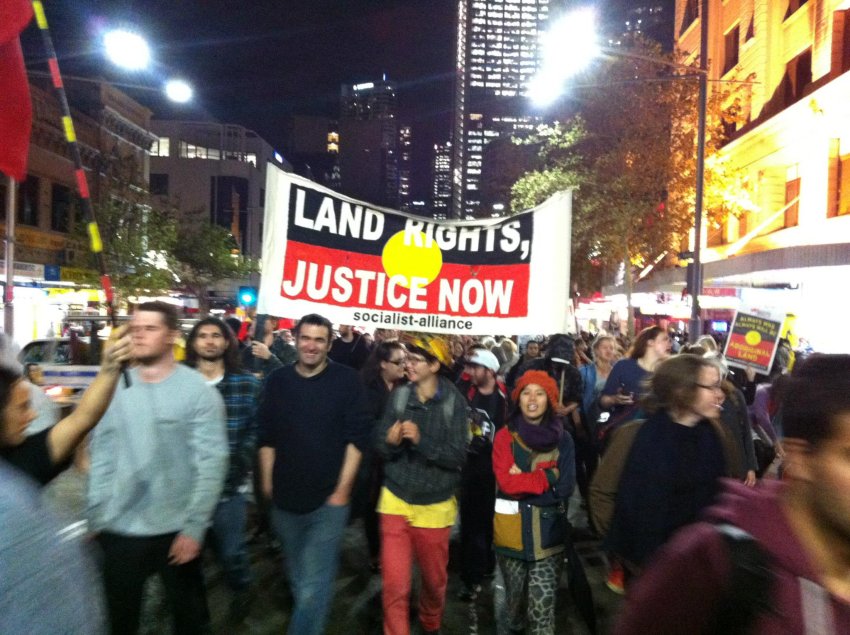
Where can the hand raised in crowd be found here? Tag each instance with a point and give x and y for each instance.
(117, 350)
(258, 349)
(624, 398)
(394, 434)
(184, 549)
(619, 399)
(410, 431)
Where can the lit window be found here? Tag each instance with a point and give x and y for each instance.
(160, 147)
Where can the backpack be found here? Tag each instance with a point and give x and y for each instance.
(401, 395)
(748, 593)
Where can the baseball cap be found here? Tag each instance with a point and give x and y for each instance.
(484, 358)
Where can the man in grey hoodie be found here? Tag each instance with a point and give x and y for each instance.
(158, 462)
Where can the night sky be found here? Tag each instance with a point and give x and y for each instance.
(256, 61)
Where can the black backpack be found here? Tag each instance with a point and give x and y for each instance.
(748, 593)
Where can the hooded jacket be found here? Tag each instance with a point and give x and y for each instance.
(679, 592)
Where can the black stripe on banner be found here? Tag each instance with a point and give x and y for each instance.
(329, 221)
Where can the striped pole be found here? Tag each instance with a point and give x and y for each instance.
(95, 242)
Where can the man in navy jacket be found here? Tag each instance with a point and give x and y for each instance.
(314, 425)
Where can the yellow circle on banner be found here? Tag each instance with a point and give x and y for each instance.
(423, 260)
(753, 338)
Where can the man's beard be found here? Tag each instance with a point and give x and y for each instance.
(211, 357)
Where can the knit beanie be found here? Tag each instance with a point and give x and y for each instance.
(542, 379)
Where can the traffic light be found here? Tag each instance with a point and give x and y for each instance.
(247, 296)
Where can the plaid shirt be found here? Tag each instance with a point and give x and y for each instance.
(241, 393)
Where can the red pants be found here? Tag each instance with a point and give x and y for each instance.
(399, 544)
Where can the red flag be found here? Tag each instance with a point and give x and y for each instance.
(15, 105)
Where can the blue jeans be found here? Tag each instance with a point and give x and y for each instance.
(311, 544)
(228, 526)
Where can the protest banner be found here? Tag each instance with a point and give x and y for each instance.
(359, 264)
(753, 338)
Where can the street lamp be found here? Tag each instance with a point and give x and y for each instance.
(569, 47)
(130, 51)
(127, 49)
(178, 90)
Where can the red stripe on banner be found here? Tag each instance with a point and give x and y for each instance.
(54, 72)
(82, 183)
(106, 283)
(352, 279)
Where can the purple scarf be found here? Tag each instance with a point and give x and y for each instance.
(544, 437)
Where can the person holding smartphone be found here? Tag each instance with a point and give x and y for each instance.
(625, 383)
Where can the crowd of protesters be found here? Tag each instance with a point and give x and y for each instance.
(411, 432)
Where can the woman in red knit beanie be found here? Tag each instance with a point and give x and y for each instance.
(534, 464)
(542, 379)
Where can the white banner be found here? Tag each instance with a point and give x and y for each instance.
(378, 268)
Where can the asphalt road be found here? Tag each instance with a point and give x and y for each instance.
(356, 607)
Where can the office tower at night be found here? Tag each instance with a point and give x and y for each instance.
(368, 142)
(405, 166)
(441, 180)
(311, 145)
(498, 53)
(651, 19)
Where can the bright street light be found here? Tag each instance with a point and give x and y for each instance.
(175, 90)
(567, 48)
(178, 91)
(127, 49)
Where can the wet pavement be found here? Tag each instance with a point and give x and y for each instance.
(357, 591)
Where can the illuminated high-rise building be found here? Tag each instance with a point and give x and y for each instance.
(498, 53)
(441, 180)
(405, 166)
(650, 19)
(312, 147)
(368, 142)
